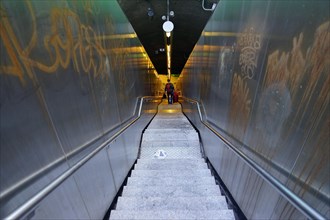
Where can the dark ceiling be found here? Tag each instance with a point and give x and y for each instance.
(189, 21)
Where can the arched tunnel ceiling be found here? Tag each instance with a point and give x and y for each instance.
(189, 21)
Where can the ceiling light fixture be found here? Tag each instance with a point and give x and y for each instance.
(168, 27)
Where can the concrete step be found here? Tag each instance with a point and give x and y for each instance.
(172, 161)
(172, 214)
(171, 152)
(171, 130)
(176, 117)
(171, 134)
(170, 143)
(169, 181)
(171, 191)
(165, 115)
(164, 105)
(169, 164)
(177, 203)
(164, 173)
(169, 124)
(169, 113)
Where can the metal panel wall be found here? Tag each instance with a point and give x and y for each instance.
(261, 71)
(70, 74)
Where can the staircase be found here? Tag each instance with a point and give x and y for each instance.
(170, 179)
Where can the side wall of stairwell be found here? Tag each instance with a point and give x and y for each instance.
(68, 84)
(260, 71)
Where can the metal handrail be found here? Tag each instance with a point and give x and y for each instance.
(284, 191)
(33, 201)
(28, 180)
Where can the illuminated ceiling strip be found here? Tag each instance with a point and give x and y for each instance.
(208, 48)
(220, 34)
(117, 36)
(168, 51)
(138, 49)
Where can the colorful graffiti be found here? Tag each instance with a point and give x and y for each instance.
(303, 73)
(224, 66)
(240, 107)
(250, 43)
(296, 84)
(69, 41)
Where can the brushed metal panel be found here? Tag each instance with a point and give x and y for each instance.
(107, 99)
(76, 116)
(61, 63)
(261, 88)
(23, 190)
(23, 143)
(132, 138)
(285, 210)
(65, 202)
(96, 185)
(118, 161)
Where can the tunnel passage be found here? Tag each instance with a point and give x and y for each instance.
(75, 79)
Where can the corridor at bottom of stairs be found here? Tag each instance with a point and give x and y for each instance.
(171, 179)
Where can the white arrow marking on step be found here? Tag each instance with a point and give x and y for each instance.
(160, 154)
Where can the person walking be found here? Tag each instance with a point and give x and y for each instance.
(169, 89)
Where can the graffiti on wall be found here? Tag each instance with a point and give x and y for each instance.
(299, 84)
(240, 106)
(296, 83)
(225, 66)
(250, 44)
(274, 108)
(69, 42)
(303, 73)
(91, 7)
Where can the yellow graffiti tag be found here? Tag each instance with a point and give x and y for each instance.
(70, 41)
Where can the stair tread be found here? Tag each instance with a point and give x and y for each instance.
(172, 191)
(156, 173)
(170, 203)
(171, 152)
(177, 180)
(167, 163)
(170, 130)
(179, 160)
(173, 214)
(170, 143)
(169, 124)
(169, 166)
(172, 135)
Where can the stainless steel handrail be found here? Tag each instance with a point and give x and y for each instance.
(33, 201)
(287, 193)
